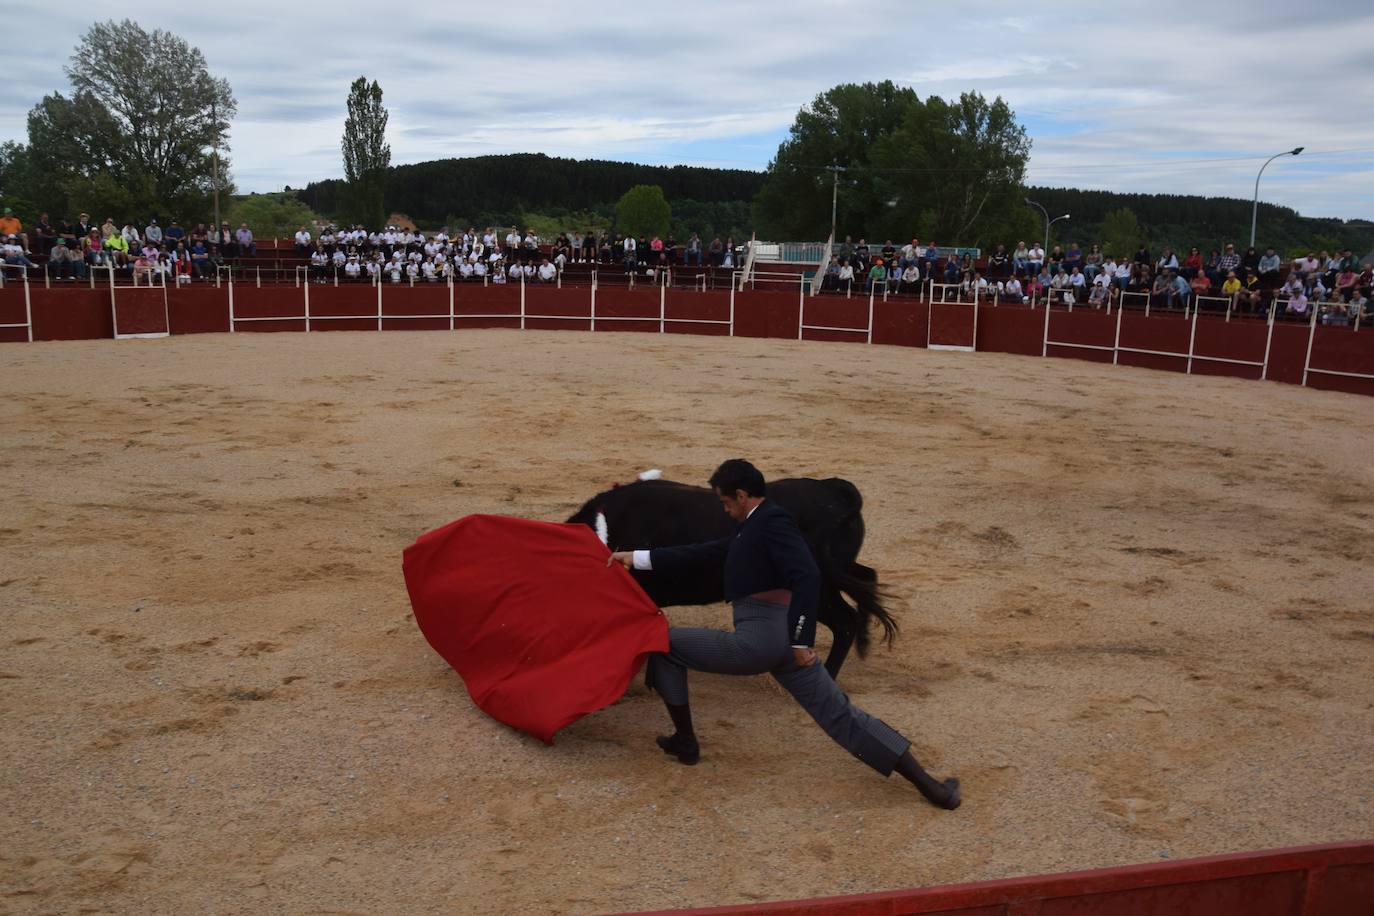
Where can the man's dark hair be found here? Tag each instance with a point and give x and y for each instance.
(738, 474)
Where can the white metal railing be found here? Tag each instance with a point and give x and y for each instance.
(27, 324)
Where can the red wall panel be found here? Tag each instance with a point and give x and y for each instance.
(1160, 333)
(951, 325)
(71, 314)
(12, 311)
(275, 301)
(900, 322)
(1008, 329)
(759, 313)
(1081, 326)
(712, 305)
(475, 299)
(1288, 352)
(628, 303)
(1234, 339)
(140, 310)
(429, 299)
(550, 300)
(198, 310)
(355, 300)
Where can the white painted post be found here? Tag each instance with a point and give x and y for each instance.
(28, 307)
(662, 307)
(1311, 335)
(1116, 344)
(1192, 338)
(522, 301)
(593, 300)
(231, 305)
(801, 309)
(1268, 340)
(732, 310)
(870, 320)
(1045, 345)
(379, 307)
(259, 273)
(307, 301)
(975, 323)
(450, 301)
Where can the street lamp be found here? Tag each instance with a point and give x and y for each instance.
(1254, 213)
(1048, 222)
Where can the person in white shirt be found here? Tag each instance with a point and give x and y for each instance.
(479, 270)
(1012, 290)
(465, 269)
(427, 269)
(515, 272)
(1077, 281)
(630, 245)
(547, 272)
(846, 275)
(478, 249)
(561, 260)
(1037, 257)
(302, 240)
(353, 269)
(339, 257)
(512, 240)
(531, 241)
(497, 275)
(527, 271)
(372, 269)
(412, 271)
(911, 276)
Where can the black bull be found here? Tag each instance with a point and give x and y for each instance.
(662, 513)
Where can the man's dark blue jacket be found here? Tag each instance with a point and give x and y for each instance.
(766, 552)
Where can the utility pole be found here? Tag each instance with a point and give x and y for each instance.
(1254, 212)
(835, 170)
(214, 175)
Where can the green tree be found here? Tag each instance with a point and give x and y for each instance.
(960, 164)
(366, 154)
(839, 128)
(271, 215)
(1121, 233)
(135, 137)
(643, 210)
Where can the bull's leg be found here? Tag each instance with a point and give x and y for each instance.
(836, 614)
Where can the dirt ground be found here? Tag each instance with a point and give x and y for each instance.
(1137, 617)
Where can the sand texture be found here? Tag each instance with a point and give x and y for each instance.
(1137, 617)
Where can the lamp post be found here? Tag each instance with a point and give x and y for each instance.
(1254, 212)
(835, 170)
(1048, 222)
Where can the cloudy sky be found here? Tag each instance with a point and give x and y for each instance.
(1171, 97)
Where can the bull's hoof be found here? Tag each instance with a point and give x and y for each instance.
(685, 750)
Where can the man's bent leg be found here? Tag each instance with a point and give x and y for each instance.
(866, 737)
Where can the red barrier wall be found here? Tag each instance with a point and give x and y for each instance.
(82, 313)
(71, 314)
(12, 311)
(198, 310)
(1331, 880)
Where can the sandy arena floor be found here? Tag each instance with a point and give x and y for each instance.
(1137, 608)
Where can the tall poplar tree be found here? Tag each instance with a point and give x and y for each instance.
(366, 153)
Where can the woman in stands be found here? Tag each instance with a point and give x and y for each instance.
(1020, 259)
(1092, 262)
(1192, 265)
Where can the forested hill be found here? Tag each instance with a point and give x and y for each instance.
(1207, 222)
(491, 186)
(500, 190)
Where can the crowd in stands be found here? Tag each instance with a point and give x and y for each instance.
(1333, 283)
(398, 255)
(70, 250)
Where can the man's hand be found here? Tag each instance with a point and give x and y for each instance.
(625, 558)
(805, 657)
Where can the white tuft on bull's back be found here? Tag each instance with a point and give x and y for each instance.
(651, 474)
(602, 531)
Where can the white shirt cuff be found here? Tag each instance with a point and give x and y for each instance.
(641, 560)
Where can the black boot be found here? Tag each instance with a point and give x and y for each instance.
(940, 794)
(682, 744)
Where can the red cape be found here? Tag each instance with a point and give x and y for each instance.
(529, 615)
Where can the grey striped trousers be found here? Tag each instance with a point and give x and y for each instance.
(760, 644)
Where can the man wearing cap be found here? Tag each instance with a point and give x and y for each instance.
(11, 226)
(153, 233)
(175, 234)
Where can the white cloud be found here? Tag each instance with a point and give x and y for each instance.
(1106, 96)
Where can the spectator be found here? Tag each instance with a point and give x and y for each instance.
(1035, 288)
(1055, 261)
(547, 272)
(10, 226)
(153, 233)
(1036, 258)
(998, 263)
(14, 256)
(117, 249)
(1192, 265)
(952, 272)
(1201, 284)
(1297, 305)
(911, 278)
(1077, 284)
(1142, 256)
(107, 229)
(131, 236)
(1269, 267)
(694, 250)
(1093, 261)
(244, 237)
(1012, 290)
(303, 246)
(911, 253)
(876, 275)
(1020, 259)
(223, 238)
(1179, 290)
(1161, 290)
(846, 275)
(1098, 297)
(45, 236)
(1073, 258)
(1249, 262)
(1167, 261)
(1229, 261)
(1231, 287)
(181, 264)
(631, 246)
(1358, 306)
(200, 260)
(175, 234)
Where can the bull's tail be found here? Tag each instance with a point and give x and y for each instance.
(860, 583)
